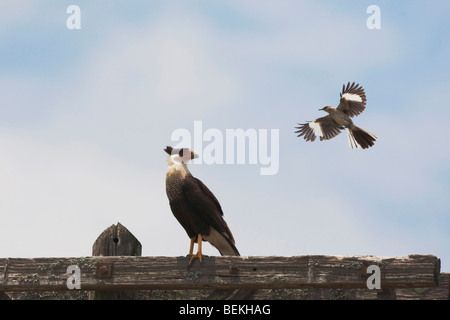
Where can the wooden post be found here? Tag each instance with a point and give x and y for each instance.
(114, 241)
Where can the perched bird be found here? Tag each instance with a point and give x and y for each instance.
(195, 206)
(353, 102)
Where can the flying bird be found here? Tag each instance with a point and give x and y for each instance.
(352, 103)
(195, 206)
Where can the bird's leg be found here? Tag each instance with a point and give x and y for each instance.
(199, 254)
(191, 248)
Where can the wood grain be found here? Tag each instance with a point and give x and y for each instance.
(172, 273)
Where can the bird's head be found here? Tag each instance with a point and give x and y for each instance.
(180, 154)
(326, 108)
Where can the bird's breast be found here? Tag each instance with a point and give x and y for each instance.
(341, 118)
(174, 186)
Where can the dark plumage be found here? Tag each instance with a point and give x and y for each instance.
(195, 206)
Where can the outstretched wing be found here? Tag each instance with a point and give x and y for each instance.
(325, 128)
(353, 99)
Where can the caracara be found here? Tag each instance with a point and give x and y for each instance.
(195, 206)
(353, 102)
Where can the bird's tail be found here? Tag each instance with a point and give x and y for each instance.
(222, 242)
(359, 138)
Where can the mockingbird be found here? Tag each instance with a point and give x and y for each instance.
(353, 102)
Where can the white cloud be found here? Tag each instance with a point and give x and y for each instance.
(162, 65)
(312, 34)
(13, 10)
(57, 198)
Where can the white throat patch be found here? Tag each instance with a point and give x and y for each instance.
(176, 166)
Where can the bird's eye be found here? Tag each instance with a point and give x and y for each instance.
(181, 153)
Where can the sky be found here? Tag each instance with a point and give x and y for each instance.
(86, 113)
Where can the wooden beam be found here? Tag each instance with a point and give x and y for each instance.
(171, 273)
(441, 292)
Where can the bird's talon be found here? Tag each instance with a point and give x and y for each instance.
(198, 256)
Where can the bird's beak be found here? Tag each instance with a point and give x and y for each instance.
(321, 109)
(194, 155)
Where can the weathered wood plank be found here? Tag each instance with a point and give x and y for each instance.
(440, 292)
(171, 273)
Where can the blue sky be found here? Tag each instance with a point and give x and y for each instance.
(85, 115)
